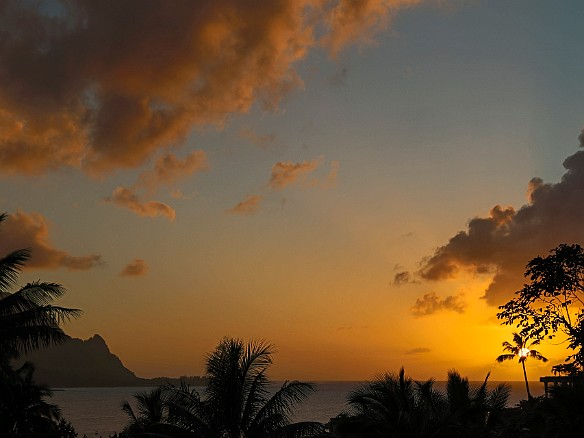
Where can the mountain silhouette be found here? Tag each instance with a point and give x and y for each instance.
(89, 363)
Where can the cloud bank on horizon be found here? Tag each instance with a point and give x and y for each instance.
(502, 243)
(101, 86)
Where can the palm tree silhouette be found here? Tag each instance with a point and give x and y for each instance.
(237, 401)
(520, 349)
(27, 319)
(23, 410)
(152, 417)
(396, 405)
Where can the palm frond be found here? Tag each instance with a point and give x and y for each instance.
(127, 409)
(504, 357)
(10, 267)
(513, 349)
(499, 396)
(300, 429)
(537, 355)
(189, 413)
(255, 396)
(276, 411)
(519, 341)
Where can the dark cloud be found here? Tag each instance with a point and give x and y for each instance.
(126, 198)
(402, 277)
(503, 242)
(136, 268)
(431, 303)
(102, 85)
(22, 230)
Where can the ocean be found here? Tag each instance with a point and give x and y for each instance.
(97, 411)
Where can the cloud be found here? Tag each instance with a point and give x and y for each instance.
(169, 168)
(331, 179)
(285, 173)
(419, 350)
(262, 141)
(136, 268)
(126, 198)
(249, 205)
(503, 242)
(359, 21)
(402, 277)
(178, 194)
(431, 303)
(22, 230)
(104, 85)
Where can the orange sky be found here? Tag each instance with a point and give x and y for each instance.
(359, 182)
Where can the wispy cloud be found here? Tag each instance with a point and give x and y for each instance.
(503, 242)
(419, 350)
(359, 21)
(169, 168)
(249, 205)
(22, 230)
(71, 95)
(402, 277)
(262, 141)
(136, 268)
(285, 173)
(431, 303)
(126, 198)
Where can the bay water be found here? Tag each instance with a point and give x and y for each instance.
(96, 412)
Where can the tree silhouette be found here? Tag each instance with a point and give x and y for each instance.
(23, 411)
(27, 319)
(520, 349)
(553, 301)
(396, 405)
(238, 401)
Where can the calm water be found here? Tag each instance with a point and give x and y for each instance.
(96, 411)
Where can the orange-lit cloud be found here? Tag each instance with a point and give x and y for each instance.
(431, 303)
(136, 268)
(169, 168)
(503, 242)
(359, 21)
(22, 230)
(104, 85)
(285, 173)
(126, 198)
(249, 205)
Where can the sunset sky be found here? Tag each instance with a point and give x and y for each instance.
(359, 182)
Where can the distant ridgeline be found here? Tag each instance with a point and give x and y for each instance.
(79, 363)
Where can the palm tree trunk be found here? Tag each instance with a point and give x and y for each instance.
(526, 382)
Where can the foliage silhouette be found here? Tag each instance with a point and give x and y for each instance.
(398, 406)
(236, 403)
(27, 319)
(554, 300)
(23, 411)
(520, 349)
